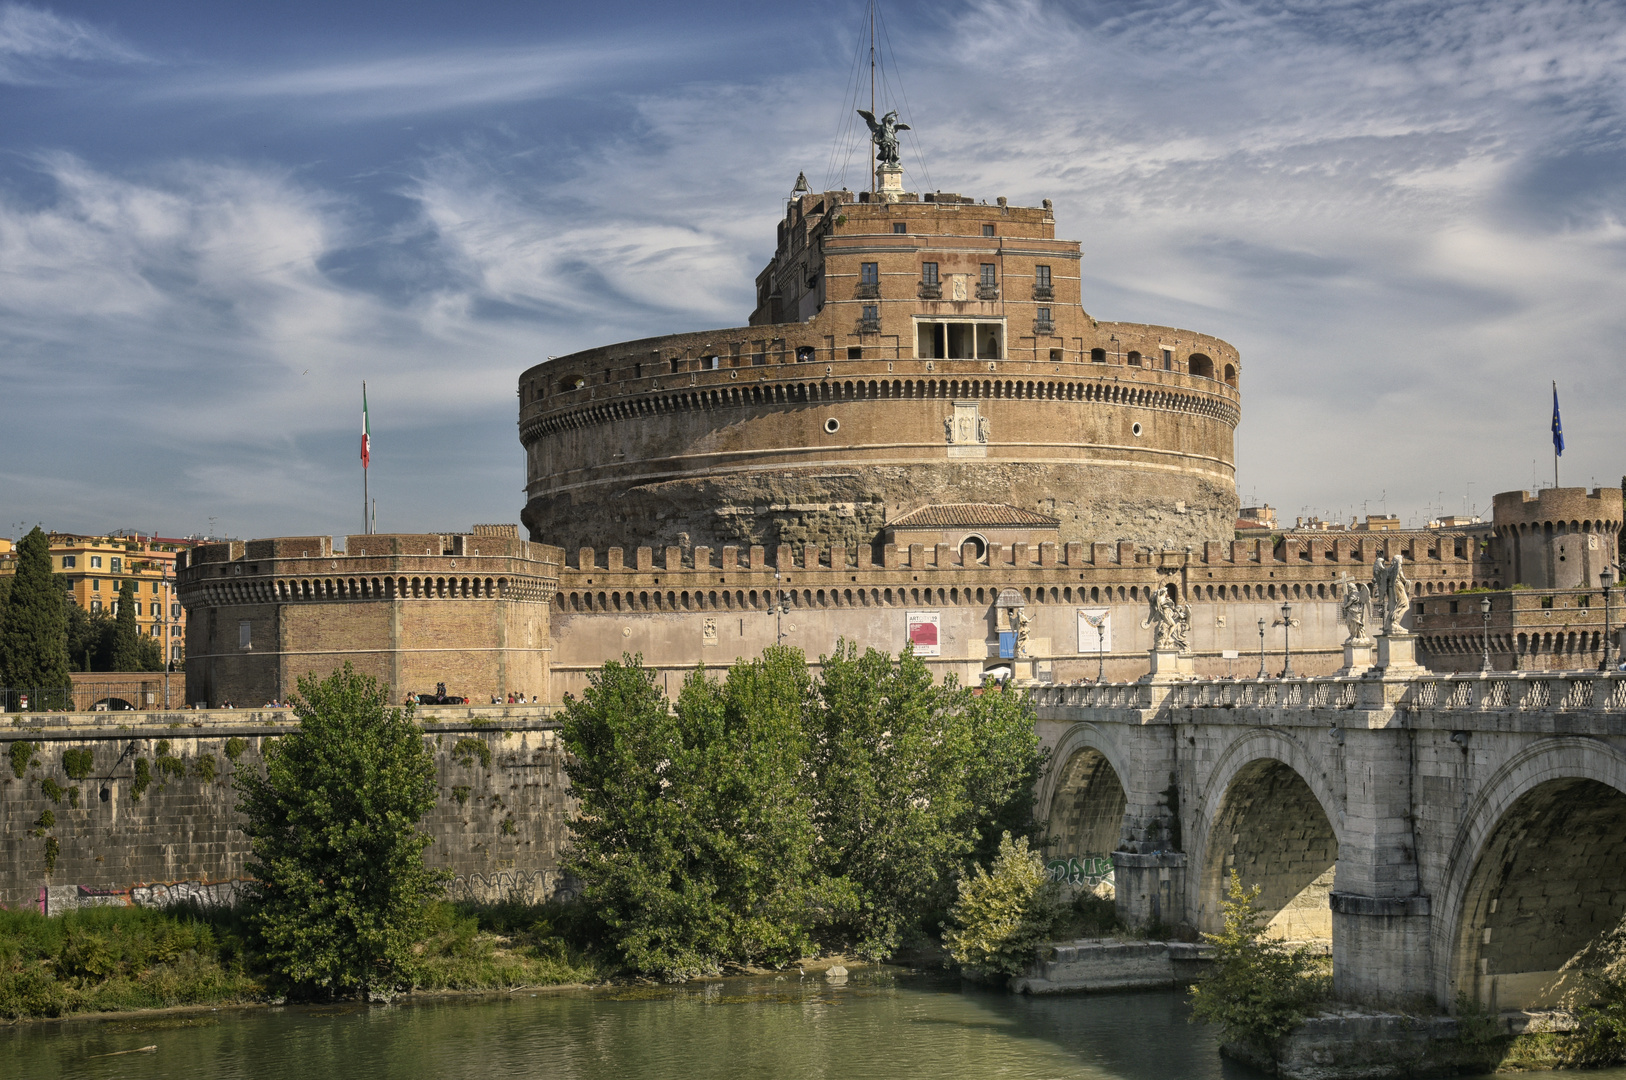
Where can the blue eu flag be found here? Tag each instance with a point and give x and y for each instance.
(1558, 426)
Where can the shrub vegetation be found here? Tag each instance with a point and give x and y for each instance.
(1004, 913)
(1258, 989)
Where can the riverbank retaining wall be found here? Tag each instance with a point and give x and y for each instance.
(88, 829)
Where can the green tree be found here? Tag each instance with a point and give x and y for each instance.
(34, 646)
(913, 781)
(336, 848)
(90, 638)
(1004, 913)
(126, 633)
(1258, 989)
(695, 838)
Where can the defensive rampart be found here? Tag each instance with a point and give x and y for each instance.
(153, 803)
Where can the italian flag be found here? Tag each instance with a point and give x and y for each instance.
(366, 435)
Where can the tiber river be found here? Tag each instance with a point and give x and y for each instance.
(881, 1024)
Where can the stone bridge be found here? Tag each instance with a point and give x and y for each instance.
(1448, 835)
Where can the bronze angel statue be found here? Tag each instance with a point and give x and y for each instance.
(884, 134)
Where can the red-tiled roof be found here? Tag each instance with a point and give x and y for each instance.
(962, 515)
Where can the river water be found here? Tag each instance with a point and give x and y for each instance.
(880, 1024)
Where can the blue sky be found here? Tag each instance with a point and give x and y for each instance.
(216, 220)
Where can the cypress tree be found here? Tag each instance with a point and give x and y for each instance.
(34, 645)
(126, 634)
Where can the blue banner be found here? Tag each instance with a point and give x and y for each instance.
(1558, 426)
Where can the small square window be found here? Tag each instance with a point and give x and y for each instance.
(988, 272)
(987, 230)
(869, 273)
(928, 273)
(95, 562)
(1055, 355)
(1041, 276)
(855, 352)
(69, 562)
(900, 226)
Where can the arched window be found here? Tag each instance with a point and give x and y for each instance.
(1098, 356)
(1200, 366)
(1132, 358)
(1230, 374)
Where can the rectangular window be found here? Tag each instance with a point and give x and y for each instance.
(988, 273)
(1041, 276)
(1044, 317)
(872, 313)
(1168, 359)
(136, 605)
(95, 584)
(928, 273)
(175, 611)
(95, 605)
(1055, 355)
(69, 562)
(900, 226)
(244, 634)
(869, 273)
(95, 562)
(855, 352)
(987, 230)
(959, 340)
(155, 588)
(118, 566)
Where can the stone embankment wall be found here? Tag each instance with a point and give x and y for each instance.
(74, 829)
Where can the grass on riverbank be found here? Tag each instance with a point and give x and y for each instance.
(115, 959)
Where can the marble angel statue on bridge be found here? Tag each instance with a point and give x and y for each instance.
(1391, 589)
(1354, 602)
(1169, 622)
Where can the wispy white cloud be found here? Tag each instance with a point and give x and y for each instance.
(34, 43)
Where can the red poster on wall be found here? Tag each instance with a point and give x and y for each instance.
(924, 632)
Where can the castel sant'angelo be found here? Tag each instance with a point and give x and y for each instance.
(922, 436)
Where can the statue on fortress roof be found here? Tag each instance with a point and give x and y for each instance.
(884, 134)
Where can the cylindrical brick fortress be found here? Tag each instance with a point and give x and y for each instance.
(903, 387)
(1559, 538)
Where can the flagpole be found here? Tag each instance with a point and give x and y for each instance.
(1558, 434)
(365, 453)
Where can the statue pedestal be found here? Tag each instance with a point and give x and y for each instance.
(1397, 654)
(1357, 657)
(1168, 665)
(889, 182)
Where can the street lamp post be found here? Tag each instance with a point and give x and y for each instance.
(1263, 674)
(1607, 578)
(1286, 623)
(780, 606)
(1484, 612)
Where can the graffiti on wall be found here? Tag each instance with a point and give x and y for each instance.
(1080, 869)
(524, 886)
(56, 899)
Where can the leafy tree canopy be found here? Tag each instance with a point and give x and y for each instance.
(335, 843)
(759, 816)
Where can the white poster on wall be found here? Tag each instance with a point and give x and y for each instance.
(924, 632)
(1094, 630)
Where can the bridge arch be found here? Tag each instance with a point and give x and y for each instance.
(1083, 795)
(1534, 874)
(1268, 812)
